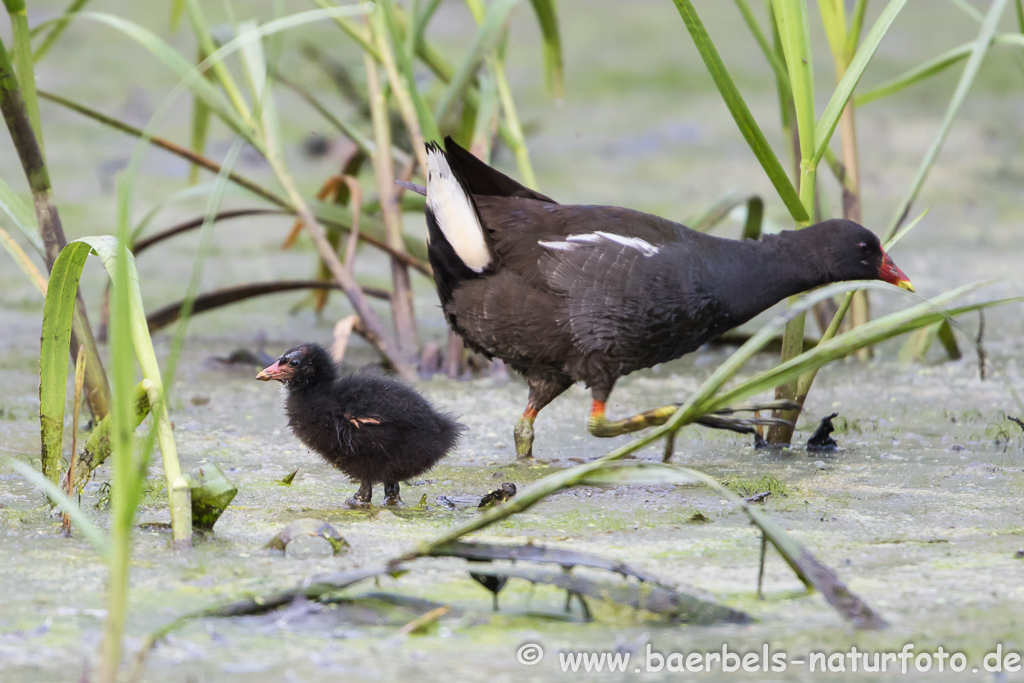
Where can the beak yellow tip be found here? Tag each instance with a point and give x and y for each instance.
(905, 284)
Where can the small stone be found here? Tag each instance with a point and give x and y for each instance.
(386, 516)
(958, 448)
(1019, 555)
(304, 547)
(820, 465)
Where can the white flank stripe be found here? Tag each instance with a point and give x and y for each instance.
(455, 214)
(570, 243)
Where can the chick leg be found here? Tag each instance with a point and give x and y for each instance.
(391, 495)
(542, 392)
(363, 496)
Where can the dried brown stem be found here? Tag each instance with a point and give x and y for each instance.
(401, 300)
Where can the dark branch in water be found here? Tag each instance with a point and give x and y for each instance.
(229, 295)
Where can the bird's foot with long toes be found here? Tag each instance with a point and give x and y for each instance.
(600, 425)
(362, 497)
(391, 496)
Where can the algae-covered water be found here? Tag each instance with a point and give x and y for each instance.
(920, 512)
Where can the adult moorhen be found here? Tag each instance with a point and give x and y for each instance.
(374, 429)
(568, 293)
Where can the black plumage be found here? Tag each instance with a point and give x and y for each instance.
(569, 294)
(374, 429)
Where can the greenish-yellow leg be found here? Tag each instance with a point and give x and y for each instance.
(524, 434)
(600, 425)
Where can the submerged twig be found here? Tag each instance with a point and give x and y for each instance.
(222, 297)
(979, 345)
(76, 409)
(760, 568)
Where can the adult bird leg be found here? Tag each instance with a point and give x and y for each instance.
(542, 392)
(524, 433)
(391, 496)
(600, 425)
(362, 497)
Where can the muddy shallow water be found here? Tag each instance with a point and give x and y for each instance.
(920, 512)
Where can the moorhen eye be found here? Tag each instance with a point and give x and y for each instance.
(568, 294)
(374, 429)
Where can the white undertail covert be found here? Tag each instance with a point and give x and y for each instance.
(455, 214)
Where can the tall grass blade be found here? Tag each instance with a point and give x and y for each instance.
(126, 471)
(740, 112)
(547, 17)
(24, 64)
(200, 129)
(980, 49)
(168, 146)
(485, 41)
(415, 113)
(778, 66)
(189, 74)
(791, 20)
(915, 75)
(968, 10)
(841, 95)
(56, 29)
(218, 70)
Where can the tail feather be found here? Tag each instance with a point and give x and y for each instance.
(450, 207)
(481, 179)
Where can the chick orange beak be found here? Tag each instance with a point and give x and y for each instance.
(893, 275)
(270, 372)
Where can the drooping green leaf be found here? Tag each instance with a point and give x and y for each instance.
(58, 310)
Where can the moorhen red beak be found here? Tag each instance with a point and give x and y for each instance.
(567, 294)
(374, 429)
(893, 275)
